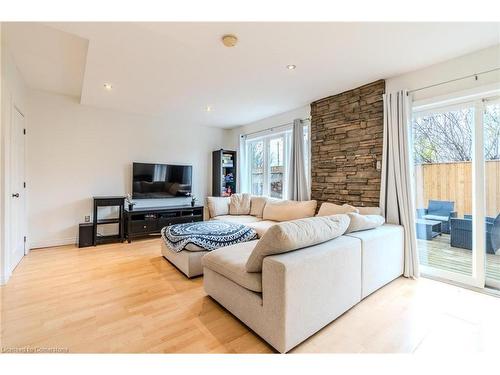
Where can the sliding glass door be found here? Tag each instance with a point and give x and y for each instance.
(456, 185)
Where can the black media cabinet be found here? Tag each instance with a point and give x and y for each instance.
(143, 221)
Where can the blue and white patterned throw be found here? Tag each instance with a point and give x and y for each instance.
(209, 235)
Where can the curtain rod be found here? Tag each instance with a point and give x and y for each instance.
(475, 75)
(273, 128)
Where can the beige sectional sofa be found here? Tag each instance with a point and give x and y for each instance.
(297, 293)
(259, 213)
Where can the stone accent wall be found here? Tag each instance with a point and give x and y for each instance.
(346, 143)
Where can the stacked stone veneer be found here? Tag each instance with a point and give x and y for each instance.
(346, 143)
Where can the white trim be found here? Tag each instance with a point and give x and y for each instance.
(486, 290)
(468, 95)
(53, 242)
(448, 275)
(478, 197)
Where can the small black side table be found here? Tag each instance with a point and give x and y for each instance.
(109, 201)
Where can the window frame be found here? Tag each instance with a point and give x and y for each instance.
(266, 138)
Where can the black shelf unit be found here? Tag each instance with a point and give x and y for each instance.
(145, 221)
(109, 201)
(224, 173)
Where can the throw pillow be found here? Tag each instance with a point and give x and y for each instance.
(288, 210)
(328, 209)
(239, 204)
(257, 205)
(369, 210)
(363, 222)
(218, 206)
(296, 234)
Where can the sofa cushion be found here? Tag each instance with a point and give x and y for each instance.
(218, 206)
(382, 251)
(363, 222)
(239, 204)
(284, 210)
(296, 234)
(239, 219)
(262, 226)
(369, 210)
(257, 205)
(328, 209)
(230, 262)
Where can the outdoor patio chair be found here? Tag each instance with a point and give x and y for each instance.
(441, 211)
(461, 233)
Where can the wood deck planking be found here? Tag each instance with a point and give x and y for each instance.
(439, 254)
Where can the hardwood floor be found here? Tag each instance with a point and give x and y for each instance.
(127, 298)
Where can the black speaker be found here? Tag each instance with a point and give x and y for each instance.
(86, 235)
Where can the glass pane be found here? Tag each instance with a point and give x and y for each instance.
(276, 166)
(491, 124)
(442, 146)
(256, 167)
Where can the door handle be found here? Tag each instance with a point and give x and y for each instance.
(15, 195)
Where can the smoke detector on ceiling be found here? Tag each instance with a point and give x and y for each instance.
(229, 40)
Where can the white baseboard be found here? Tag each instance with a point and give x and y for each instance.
(53, 242)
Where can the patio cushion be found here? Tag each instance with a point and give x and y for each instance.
(436, 217)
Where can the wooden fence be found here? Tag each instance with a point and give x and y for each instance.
(453, 182)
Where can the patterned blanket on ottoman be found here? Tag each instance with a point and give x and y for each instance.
(207, 235)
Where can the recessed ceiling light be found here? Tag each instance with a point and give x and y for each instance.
(291, 67)
(108, 86)
(209, 108)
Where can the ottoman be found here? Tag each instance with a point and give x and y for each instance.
(184, 245)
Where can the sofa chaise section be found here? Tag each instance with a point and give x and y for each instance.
(302, 291)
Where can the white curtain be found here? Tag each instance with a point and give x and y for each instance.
(242, 180)
(298, 188)
(396, 193)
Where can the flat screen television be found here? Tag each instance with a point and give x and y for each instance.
(161, 180)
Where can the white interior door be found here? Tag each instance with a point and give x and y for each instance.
(17, 190)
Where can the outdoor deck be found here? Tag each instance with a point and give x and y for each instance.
(439, 254)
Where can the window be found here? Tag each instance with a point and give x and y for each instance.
(266, 166)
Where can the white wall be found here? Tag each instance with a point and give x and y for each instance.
(266, 123)
(476, 62)
(13, 94)
(76, 152)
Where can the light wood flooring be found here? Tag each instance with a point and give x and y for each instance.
(127, 298)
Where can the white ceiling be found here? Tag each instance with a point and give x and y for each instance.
(177, 69)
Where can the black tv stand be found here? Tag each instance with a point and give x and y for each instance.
(146, 221)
